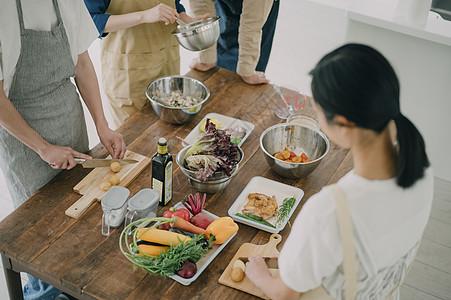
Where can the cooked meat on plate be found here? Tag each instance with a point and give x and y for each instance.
(260, 205)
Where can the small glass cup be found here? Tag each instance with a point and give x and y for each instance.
(306, 114)
(292, 100)
(114, 205)
(142, 205)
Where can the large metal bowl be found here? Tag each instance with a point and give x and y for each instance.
(298, 138)
(198, 35)
(163, 86)
(214, 184)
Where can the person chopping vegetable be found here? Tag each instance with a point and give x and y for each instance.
(245, 42)
(356, 239)
(137, 47)
(42, 46)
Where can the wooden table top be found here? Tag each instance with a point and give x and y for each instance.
(75, 255)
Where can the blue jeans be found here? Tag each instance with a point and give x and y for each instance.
(37, 289)
(227, 47)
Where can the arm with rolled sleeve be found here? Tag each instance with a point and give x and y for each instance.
(252, 20)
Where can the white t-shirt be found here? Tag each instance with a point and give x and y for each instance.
(389, 221)
(40, 15)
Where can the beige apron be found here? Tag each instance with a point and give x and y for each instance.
(134, 57)
(349, 252)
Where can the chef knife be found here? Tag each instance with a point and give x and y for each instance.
(96, 162)
(271, 262)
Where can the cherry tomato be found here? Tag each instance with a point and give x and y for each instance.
(172, 212)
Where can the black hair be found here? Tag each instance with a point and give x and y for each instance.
(357, 82)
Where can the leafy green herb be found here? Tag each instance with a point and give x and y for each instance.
(285, 209)
(167, 264)
(255, 219)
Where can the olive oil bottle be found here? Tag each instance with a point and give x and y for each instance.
(162, 172)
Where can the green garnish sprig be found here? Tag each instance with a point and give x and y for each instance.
(285, 209)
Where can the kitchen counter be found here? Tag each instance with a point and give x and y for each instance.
(74, 256)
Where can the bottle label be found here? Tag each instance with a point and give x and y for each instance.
(157, 185)
(162, 149)
(168, 182)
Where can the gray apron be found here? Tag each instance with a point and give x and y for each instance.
(45, 97)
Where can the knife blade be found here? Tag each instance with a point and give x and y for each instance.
(97, 162)
(271, 262)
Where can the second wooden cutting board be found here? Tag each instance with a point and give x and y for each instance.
(89, 186)
(246, 250)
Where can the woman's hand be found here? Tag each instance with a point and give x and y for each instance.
(257, 78)
(256, 270)
(59, 157)
(161, 12)
(113, 142)
(187, 19)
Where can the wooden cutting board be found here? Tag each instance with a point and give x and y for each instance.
(249, 249)
(89, 187)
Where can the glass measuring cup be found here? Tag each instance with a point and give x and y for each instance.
(142, 205)
(289, 100)
(114, 205)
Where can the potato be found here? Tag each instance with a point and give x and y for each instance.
(114, 179)
(105, 185)
(237, 274)
(239, 264)
(115, 166)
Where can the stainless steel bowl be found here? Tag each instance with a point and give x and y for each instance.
(214, 184)
(188, 86)
(198, 35)
(299, 138)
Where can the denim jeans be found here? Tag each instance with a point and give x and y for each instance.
(227, 46)
(37, 289)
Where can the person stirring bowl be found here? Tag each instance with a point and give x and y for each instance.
(42, 46)
(387, 196)
(137, 47)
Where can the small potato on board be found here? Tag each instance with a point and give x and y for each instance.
(88, 187)
(248, 249)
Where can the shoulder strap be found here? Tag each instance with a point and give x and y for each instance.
(347, 241)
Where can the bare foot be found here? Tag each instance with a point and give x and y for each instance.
(257, 78)
(197, 65)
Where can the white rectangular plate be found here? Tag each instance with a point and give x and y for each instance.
(203, 263)
(268, 187)
(226, 122)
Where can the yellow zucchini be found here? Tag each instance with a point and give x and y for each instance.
(151, 250)
(160, 236)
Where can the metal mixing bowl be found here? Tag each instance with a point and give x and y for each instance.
(214, 184)
(198, 35)
(297, 138)
(188, 86)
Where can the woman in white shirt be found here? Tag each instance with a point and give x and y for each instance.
(43, 44)
(389, 192)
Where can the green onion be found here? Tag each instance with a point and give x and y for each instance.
(255, 219)
(285, 209)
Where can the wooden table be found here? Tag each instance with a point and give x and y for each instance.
(75, 257)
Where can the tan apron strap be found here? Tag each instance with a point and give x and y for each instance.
(347, 241)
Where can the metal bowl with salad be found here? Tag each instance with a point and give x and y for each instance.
(177, 99)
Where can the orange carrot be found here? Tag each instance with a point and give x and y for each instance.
(185, 225)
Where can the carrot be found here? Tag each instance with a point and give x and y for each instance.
(185, 225)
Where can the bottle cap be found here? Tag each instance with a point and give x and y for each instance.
(162, 141)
